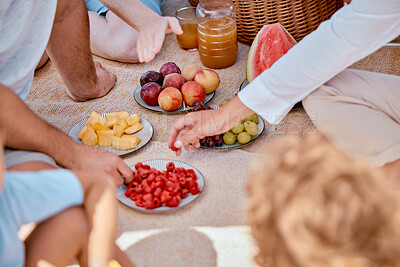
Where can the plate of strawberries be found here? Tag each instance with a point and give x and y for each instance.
(161, 185)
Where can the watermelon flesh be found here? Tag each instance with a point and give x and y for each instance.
(271, 42)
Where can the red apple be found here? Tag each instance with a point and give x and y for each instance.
(170, 99)
(149, 93)
(192, 91)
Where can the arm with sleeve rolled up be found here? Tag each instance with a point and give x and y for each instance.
(353, 32)
(151, 27)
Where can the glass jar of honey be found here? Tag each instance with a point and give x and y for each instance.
(217, 33)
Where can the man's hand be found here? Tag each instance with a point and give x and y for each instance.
(152, 34)
(95, 159)
(37, 135)
(104, 83)
(194, 126)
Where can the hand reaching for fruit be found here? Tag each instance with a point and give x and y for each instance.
(197, 125)
(152, 34)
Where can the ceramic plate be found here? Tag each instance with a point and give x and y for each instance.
(140, 101)
(145, 134)
(160, 164)
(245, 83)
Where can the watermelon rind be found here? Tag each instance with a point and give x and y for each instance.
(250, 75)
(250, 56)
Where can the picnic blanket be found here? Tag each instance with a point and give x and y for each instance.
(212, 230)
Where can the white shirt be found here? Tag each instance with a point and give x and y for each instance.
(25, 28)
(352, 33)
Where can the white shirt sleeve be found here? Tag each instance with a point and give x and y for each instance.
(352, 33)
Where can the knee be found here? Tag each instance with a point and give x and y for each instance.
(78, 225)
(127, 50)
(124, 46)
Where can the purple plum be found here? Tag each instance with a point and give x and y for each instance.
(149, 93)
(168, 68)
(151, 76)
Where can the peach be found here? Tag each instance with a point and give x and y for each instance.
(192, 91)
(189, 71)
(208, 79)
(173, 80)
(170, 99)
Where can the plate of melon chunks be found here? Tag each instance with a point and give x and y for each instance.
(118, 132)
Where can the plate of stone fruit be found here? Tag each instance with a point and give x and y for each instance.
(161, 185)
(171, 89)
(245, 132)
(118, 132)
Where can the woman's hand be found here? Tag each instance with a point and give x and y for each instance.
(152, 34)
(194, 126)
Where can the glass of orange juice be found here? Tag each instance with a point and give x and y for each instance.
(188, 21)
(217, 33)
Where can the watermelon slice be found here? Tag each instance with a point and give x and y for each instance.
(271, 42)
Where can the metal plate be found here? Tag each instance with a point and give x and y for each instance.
(145, 134)
(140, 101)
(160, 164)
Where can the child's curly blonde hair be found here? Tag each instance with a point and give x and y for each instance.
(311, 205)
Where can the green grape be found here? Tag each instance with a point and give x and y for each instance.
(223, 102)
(253, 118)
(244, 138)
(251, 127)
(238, 128)
(229, 138)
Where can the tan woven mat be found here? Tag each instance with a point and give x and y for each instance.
(211, 231)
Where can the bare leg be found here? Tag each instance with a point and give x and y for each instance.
(26, 229)
(112, 38)
(59, 239)
(123, 259)
(43, 60)
(31, 166)
(101, 210)
(87, 234)
(69, 49)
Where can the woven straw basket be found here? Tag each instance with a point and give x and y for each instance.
(299, 17)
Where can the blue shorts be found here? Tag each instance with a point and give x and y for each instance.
(32, 197)
(97, 6)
